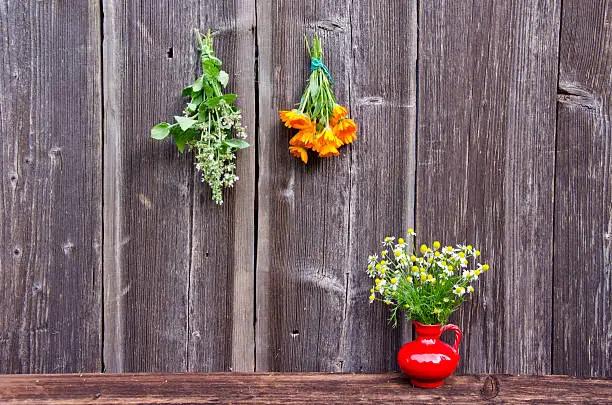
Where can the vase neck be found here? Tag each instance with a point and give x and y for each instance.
(427, 331)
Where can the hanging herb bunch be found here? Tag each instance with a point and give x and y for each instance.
(323, 124)
(209, 123)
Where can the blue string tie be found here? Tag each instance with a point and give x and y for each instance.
(318, 64)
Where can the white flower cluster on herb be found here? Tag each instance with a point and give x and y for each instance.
(428, 286)
(209, 123)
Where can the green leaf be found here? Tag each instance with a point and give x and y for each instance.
(229, 98)
(202, 113)
(197, 86)
(236, 143)
(210, 69)
(223, 78)
(185, 123)
(196, 98)
(212, 102)
(192, 107)
(314, 88)
(187, 91)
(181, 140)
(160, 131)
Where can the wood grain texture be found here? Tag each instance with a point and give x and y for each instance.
(179, 270)
(582, 337)
(148, 185)
(312, 310)
(383, 169)
(50, 190)
(486, 140)
(260, 388)
(221, 300)
(303, 209)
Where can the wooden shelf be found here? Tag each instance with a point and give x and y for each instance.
(285, 388)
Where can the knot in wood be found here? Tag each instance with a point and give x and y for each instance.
(490, 387)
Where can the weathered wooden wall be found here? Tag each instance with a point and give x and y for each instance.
(480, 121)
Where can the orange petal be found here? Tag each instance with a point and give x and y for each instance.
(339, 111)
(299, 152)
(283, 115)
(328, 150)
(296, 140)
(345, 130)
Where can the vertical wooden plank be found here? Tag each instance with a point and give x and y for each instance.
(149, 56)
(312, 310)
(486, 114)
(50, 193)
(221, 306)
(383, 168)
(178, 268)
(303, 210)
(582, 338)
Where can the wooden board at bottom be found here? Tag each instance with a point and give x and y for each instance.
(275, 388)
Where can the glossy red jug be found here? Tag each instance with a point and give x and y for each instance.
(427, 361)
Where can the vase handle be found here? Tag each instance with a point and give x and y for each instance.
(458, 334)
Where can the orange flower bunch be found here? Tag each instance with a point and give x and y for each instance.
(323, 125)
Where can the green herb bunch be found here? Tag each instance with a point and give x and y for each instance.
(428, 286)
(208, 123)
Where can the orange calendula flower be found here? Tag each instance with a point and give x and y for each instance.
(295, 119)
(328, 151)
(323, 124)
(299, 152)
(346, 130)
(329, 137)
(339, 111)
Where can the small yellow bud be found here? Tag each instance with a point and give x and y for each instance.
(451, 268)
(423, 277)
(477, 253)
(400, 241)
(423, 248)
(409, 279)
(410, 231)
(372, 290)
(436, 245)
(383, 262)
(485, 267)
(383, 253)
(378, 281)
(413, 258)
(430, 260)
(372, 297)
(406, 306)
(377, 288)
(477, 272)
(470, 247)
(393, 280)
(461, 255)
(397, 253)
(383, 271)
(429, 277)
(470, 289)
(414, 268)
(437, 254)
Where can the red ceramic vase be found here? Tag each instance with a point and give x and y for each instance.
(427, 361)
